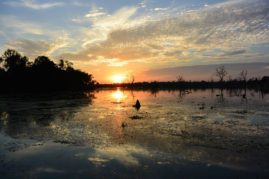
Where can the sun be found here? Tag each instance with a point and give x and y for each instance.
(118, 78)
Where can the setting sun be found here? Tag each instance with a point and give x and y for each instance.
(118, 78)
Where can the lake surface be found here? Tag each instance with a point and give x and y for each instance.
(189, 134)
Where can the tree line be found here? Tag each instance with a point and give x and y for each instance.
(18, 73)
(242, 82)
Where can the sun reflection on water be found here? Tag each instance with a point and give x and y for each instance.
(118, 95)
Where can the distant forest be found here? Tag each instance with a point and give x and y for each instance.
(241, 82)
(17, 73)
(253, 84)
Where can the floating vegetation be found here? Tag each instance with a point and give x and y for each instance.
(136, 117)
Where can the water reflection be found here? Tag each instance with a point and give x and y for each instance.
(125, 154)
(118, 95)
(36, 115)
(172, 127)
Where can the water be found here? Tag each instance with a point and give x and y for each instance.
(189, 134)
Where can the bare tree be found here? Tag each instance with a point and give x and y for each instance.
(221, 73)
(180, 78)
(243, 75)
(132, 79)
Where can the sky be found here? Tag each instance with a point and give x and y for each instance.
(140, 38)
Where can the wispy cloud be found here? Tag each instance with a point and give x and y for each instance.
(95, 13)
(236, 52)
(14, 25)
(101, 26)
(230, 27)
(214, 33)
(143, 4)
(32, 38)
(160, 9)
(32, 48)
(33, 4)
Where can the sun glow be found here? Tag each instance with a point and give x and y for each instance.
(118, 78)
(118, 95)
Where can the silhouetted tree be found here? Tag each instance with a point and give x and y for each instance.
(221, 73)
(64, 64)
(243, 75)
(13, 61)
(132, 79)
(61, 64)
(43, 63)
(1, 69)
(180, 78)
(265, 84)
(42, 74)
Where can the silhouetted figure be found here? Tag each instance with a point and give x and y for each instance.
(137, 105)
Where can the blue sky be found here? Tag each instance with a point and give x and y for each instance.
(126, 37)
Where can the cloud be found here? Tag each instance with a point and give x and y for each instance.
(32, 49)
(101, 26)
(99, 42)
(33, 4)
(236, 52)
(160, 9)
(143, 4)
(224, 25)
(107, 51)
(18, 32)
(14, 25)
(92, 16)
(221, 32)
(95, 13)
(228, 26)
(173, 53)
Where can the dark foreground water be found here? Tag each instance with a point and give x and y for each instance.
(190, 134)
